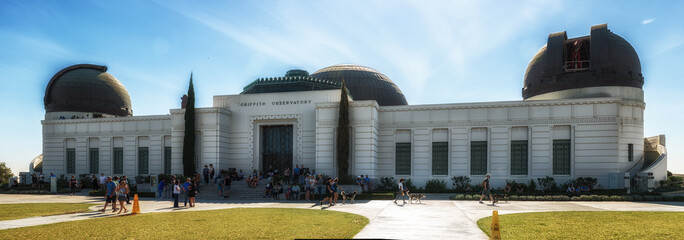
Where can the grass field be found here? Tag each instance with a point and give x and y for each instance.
(588, 225)
(241, 223)
(25, 210)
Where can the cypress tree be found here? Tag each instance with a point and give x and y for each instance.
(189, 138)
(343, 134)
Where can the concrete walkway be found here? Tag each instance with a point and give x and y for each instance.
(436, 218)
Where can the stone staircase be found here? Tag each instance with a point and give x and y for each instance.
(238, 191)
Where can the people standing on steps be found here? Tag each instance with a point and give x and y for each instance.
(205, 172)
(295, 174)
(226, 187)
(211, 173)
(286, 174)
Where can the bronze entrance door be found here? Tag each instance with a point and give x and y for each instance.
(276, 147)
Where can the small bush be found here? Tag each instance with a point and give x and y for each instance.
(637, 198)
(595, 197)
(436, 186)
(387, 184)
(459, 197)
(616, 198)
(575, 198)
(547, 184)
(408, 184)
(460, 183)
(468, 197)
(605, 198)
(513, 198)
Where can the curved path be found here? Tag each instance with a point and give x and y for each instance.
(436, 218)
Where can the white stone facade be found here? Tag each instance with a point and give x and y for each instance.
(228, 136)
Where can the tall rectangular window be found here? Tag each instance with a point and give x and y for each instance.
(167, 160)
(440, 158)
(71, 160)
(118, 160)
(478, 157)
(94, 157)
(630, 152)
(143, 163)
(561, 157)
(403, 157)
(519, 157)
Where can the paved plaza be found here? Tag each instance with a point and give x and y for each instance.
(437, 217)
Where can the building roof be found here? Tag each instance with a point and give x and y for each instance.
(364, 83)
(294, 80)
(600, 59)
(87, 88)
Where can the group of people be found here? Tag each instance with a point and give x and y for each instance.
(39, 180)
(117, 189)
(189, 189)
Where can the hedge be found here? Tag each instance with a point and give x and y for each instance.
(577, 198)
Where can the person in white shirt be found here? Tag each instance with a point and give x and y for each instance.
(400, 191)
(103, 180)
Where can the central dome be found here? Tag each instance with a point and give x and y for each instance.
(364, 83)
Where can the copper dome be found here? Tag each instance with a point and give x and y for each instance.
(600, 59)
(87, 88)
(364, 83)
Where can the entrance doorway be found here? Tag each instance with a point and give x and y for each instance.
(276, 147)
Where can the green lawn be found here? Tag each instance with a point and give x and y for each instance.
(588, 225)
(25, 210)
(240, 223)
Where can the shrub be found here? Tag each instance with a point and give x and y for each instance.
(547, 184)
(387, 184)
(460, 183)
(585, 181)
(678, 198)
(648, 198)
(468, 197)
(594, 197)
(513, 198)
(605, 198)
(637, 198)
(531, 187)
(575, 198)
(435, 185)
(408, 184)
(616, 198)
(459, 197)
(540, 198)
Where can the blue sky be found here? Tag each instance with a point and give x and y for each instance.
(435, 51)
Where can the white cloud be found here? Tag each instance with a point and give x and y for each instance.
(647, 21)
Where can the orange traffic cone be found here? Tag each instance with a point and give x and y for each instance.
(136, 205)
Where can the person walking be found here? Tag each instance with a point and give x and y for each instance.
(122, 193)
(186, 190)
(176, 192)
(128, 190)
(205, 172)
(109, 195)
(192, 190)
(328, 193)
(400, 191)
(486, 189)
(103, 180)
(72, 185)
(211, 173)
(333, 186)
(160, 189)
